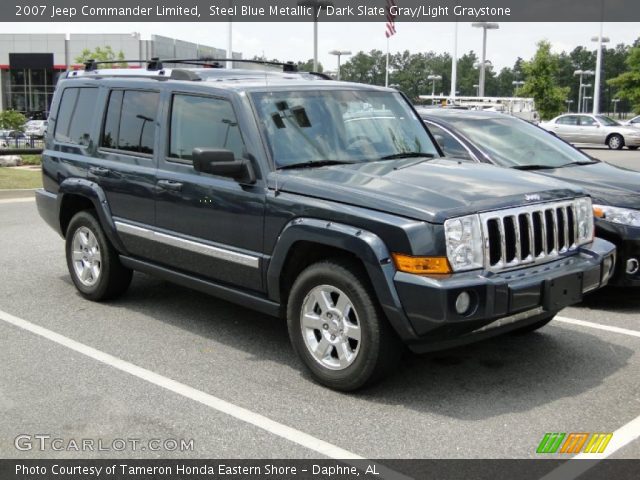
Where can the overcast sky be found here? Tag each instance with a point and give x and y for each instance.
(294, 41)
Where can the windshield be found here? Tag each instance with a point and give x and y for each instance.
(606, 121)
(515, 143)
(339, 125)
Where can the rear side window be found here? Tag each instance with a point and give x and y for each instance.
(130, 122)
(203, 122)
(570, 120)
(77, 108)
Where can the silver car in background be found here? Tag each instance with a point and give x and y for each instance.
(633, 122)
(593, 129)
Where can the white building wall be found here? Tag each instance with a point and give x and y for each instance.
(32, 43)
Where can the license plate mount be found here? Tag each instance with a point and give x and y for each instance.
(562, 291)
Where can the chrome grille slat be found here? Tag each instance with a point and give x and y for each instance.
(554, 237)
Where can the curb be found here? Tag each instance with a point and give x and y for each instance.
(18, 193)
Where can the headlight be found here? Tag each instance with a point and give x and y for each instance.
(584, 213)
(623, 216)
(464, 243)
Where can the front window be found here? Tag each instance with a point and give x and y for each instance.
(607, 121)
(347, 126)
(510, 142)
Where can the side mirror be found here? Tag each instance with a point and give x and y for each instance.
(222, 163)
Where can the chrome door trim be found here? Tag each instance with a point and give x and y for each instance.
(189, 245)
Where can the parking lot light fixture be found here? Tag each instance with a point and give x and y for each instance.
(434, 79)
(477, 87)
(339, 54)
(316, 5)
(485, 26)
(581, 74)
(615, 105)
(516, 84)
(568, 102)
(586, 102)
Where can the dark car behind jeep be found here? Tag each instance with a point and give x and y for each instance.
(506, 141)
(323, 202)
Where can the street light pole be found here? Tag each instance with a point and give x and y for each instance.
(568, 102)
(339, 53)
(485, 26)
(454, 62)
(581, 73)
(615, 105)
(586, 102)
(317, 5)
(596, 90)
(477, 87)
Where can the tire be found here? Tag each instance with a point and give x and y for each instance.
(633, 148)
(360, 348)
(92, 261)
(615, 142)
(533, 326)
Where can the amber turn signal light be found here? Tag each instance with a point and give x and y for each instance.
(598, 212)
(421, 265)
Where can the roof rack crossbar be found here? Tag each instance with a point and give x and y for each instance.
(218, 62)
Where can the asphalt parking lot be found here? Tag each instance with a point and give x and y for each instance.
(164, 362)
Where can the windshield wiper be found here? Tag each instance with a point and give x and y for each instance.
(533, 167)
(315, 163)
(407, 155)
(581, 162)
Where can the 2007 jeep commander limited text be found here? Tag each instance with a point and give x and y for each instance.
(324, 202)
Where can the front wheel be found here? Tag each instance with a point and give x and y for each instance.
(337, 327)
(93, 263)
(615, 142)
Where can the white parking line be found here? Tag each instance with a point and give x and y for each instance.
(17, 200)
(252, 418)
(597, 326)
(621, 437)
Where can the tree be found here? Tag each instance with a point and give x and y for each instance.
(102, 54)
(365, 68)
(12, 120)
(541, 82)
(627, 84)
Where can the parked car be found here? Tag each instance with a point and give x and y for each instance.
(35, 128)
(9, 138)
(321, 202)
(508, 142)
(633, 122)
(593, 129)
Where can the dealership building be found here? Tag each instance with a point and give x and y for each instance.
(31, 63)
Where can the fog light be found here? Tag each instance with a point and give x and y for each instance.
(633, 266)
(463, 302)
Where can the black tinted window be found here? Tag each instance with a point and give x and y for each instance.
(203, 122)
(77, 108)
(130, 121)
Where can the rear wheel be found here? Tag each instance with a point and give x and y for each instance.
(93, 263)
(533, 326)
(337, 327)
(615, 142)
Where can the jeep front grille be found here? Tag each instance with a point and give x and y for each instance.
(530, 234)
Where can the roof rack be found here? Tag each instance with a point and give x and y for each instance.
(156, 63)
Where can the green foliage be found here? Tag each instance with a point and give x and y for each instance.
(102, 54)
(541, 83)
(627, 84)
(12, 120)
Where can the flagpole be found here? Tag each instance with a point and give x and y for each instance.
(454, 63)
(386, 77)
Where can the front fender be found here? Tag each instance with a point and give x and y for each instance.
(367, 246)
(93, 192)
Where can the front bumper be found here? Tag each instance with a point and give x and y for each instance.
(525, 295)
(630, 141)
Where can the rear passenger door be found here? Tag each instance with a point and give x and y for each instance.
(125, 166)
(212, 225)
(567, 128)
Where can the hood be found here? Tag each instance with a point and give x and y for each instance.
(606, 183)
(430, 191)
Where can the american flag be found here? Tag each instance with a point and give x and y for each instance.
(391, 19)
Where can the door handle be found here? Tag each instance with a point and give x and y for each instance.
(170, 185)
(99, 171)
